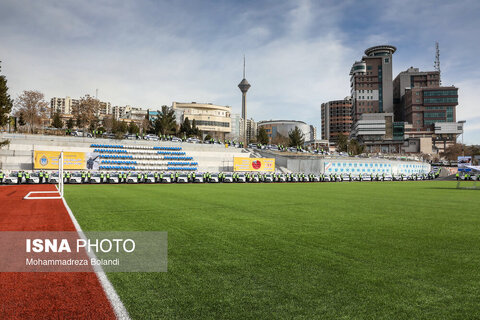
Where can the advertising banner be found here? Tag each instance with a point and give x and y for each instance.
(464, 163)
(45, 160)
(253, 164)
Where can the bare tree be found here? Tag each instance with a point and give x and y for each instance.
(85, 111)
(33, 107)
(108, 123)
(146, 125)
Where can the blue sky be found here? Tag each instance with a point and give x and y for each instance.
(299, 53)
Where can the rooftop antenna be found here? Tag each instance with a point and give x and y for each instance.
(436, 64)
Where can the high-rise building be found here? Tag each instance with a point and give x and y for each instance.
(120, 112)
(104, 109)
(371, 82)
(411, 78)
(237, 123)
(336, 119)
(426, 106)
(313, 133)
(62, 106)
(376, 132)
(251, 130)
(426, 109)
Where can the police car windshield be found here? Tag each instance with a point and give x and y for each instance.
(241, 175)
(229, 175)
(96, 174)
(183, 175)
(76, 174)
(34, 174)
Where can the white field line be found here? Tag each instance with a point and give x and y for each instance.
(29, 197)
(112, 295)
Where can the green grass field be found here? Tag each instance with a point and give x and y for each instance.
(392, 250)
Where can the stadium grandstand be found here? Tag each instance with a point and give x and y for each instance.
(29, 156)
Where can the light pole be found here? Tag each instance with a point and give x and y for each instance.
(463, 146)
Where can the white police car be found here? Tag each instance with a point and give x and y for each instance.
(228, 178)
(54, 178)
(166, 178)
(213, 178)
(387, 177)
(365, 177)
(12, 178)
(75, 177)
(268, 178)
(150, 178)
(34, 177)
(182, 178)
(199, 178)
(95, 178)
(241, 177)
(114, 178)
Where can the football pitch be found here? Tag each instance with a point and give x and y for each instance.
(369, 250)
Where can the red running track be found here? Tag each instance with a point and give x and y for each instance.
(40, 295)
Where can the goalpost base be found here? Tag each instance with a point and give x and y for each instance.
(59, 187)
(30, 197)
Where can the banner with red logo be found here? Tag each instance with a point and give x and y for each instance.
(253, 164)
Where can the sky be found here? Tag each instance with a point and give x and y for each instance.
(298, 53)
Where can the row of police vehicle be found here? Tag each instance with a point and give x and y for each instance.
(100, 177)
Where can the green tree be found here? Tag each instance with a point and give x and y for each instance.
(21, 119)
(186, 128)
(262, 136)
(70, 124)
(342, 143)
(280, 140)
(6, 104)
(123, 127)
(57, 121)
(195, 130)
(296, 137)
(207, 137)
(165, 122)
(133, 128)
(355, 148)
